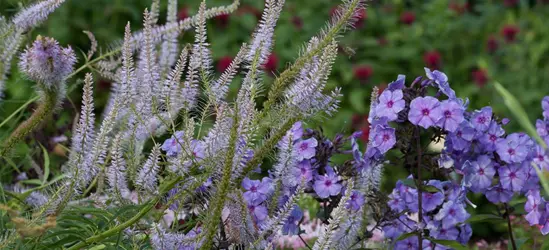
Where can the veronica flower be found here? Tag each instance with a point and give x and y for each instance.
(452, 115)
(256, 191)
(291, 227)
(481, 119)
(172, 146)
(532, 207)
(306, 148)
(424, 111)
(451, 213)
(390, 104)
(479, 173)
(327, 185)
(498, 194)
(384, 138)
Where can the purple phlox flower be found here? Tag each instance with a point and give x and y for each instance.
(410, 243)
(259, 212)
(384, 138)
(451, 214)
(532, 180)
(327, 185)
(479, 173)
(462, 137)
(481, 119)
(357, 155)
(424, 111)
(524, 139)
(544, 222)
(172, 145)
(397, 227)
(512, 177)
(291, 227)
(407, 193)
(540, 157)
(429, 245)
(498, 194)
(302, 171)
(442, 82)
(390, 104)
(442, 233)
(431, 200)
(198, 148)
(396, 203)
(306, 148)
(356, 201)
(465, 233)
(542, 127)
(398, 83)
(296, 132)
(452, 115)
(256, 191)
(545, 107)
(491, 137)
(511, 150)
(463, 103)
(533, 207)
(445, 161)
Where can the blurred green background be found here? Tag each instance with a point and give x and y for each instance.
(474, 42)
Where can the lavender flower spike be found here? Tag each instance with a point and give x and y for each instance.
(35, 14)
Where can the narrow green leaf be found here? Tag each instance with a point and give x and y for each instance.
(542, 178)
(405, 236)
(46, 164)
(483, 217)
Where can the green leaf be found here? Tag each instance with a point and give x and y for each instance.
(98, 247)
(449, 243)
(483, 217)
(46, 164)
(520, 242)
(405, 236)
(409, 183)
(430, 189)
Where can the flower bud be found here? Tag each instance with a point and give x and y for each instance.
(46, 62)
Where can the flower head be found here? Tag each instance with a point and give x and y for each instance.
(384, 138)
(480, 77)
(172, 146)
(363, 72)
(356, 201)
(327, 185)
(451, 213)
(481, 119)
(533, 208)
(424, 111)
(46, 62)
(452, 115)
(512, 177)
(390, 104)
(479, 173)
(306, 148)
(498, 194)
(291, 227)
(509, 32)
(256, 191)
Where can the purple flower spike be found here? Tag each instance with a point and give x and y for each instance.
(390, 103)
(256, 191)
(384, 138)
(452, 115)
(327, 185)
(532, 207)
(481, 119)
(172, 146)
(424, 111)
(497, 194)
(306, 148)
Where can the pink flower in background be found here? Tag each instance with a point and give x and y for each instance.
(480, 77)
(432, 59)
(492, 44)
(363, 72)
(509, 32)
(510, 3)
(222, 20)
(407, 17)
(183, 13)
(271, 64)
(297, 22)
(224, 63)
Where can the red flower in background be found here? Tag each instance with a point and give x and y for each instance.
(183, 13)
(363, 72)
(222, 20)
(510, 3)
(246, 9)
(432, 59)
(407, 17)
(297, 22)
(271, 64)
(224, 63)
(492, 44)
(359, 16)
(509, 32)
(480, 77)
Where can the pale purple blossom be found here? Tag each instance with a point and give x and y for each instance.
(306, 148)
(451, 214)
(384, 138)
(545, 107)
(356, 201)
(256, 191)
(491, 137)
(390, 104)
(290, 226)
(481, 119)
(532, 207)
(303, 171)
(462, 137)
(498, 194)
(512, 177)
(327, 185)
(511, 150)
(479, 173)
(452, 115)
(172, 145)
(424, 111)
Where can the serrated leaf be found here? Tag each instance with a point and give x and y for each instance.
(483, 217)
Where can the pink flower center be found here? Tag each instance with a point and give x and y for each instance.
(390, 104)
(452, 212)
(511, 151)
(512, 175)
(481, 171)
(481, 119)
(253, 189)
(386, 137)
(304, 146)
(425, 112)
(447, 114)
(493, 138)
(458, 134)
(541, 158)
(328, 183)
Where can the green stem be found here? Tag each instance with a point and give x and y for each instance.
(128, 223)
(41, 114)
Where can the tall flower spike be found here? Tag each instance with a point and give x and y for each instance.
(147, 176)
(35, 14)
(220, 87)
(263, 37)
(84, 131)
(116, 172)
(8, 48)
(168, 51)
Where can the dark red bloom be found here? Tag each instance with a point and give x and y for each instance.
(492, 44)
(224, 63)
(222, 20)
(271, 64)
(510, 3)
(432, 59)
(183, 13)
(480, 77)
(298, 23)
(407, 17)
(247, 9)
(509, 32)
(363, 72)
